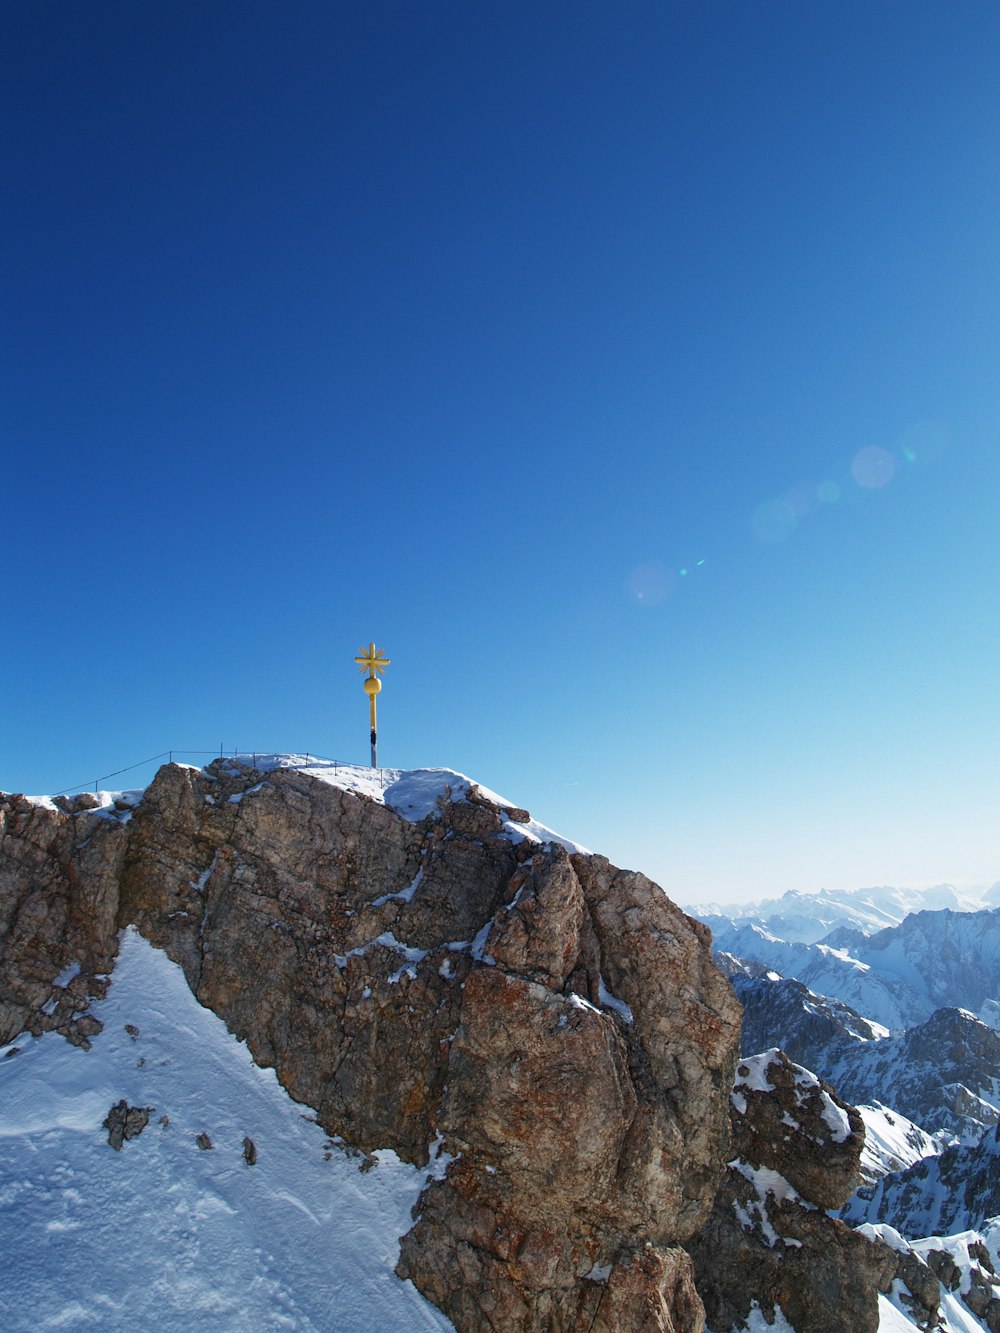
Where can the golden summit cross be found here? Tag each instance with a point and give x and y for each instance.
(374, 661)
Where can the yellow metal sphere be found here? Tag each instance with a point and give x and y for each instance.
(372, 685)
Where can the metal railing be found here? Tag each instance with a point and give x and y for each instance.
(250, 755)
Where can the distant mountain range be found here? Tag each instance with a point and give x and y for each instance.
(808, 918)
(897, 976)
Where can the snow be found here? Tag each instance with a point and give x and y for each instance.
(388, 940)
(162, 1234)
(478, 946)
(199, 884)
(411, 793)
(891, 1318)
(956, 1317)
(765, 1182)
(835, 1119)
(751, 1073)
(882, 1231)
(895, 977)
(237, 797)
(756, 1322)
(892, 1142)
(807, 917)
(612, 1002)
(404, 895)
(44, 802)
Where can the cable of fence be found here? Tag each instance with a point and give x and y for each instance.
(169, 755)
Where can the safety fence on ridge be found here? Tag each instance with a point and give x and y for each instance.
(247, 755)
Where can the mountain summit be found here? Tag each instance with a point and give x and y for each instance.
(544, 1036)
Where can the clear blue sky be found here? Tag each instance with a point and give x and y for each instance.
(469, 328)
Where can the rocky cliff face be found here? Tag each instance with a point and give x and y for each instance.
(551, 1028)
(769, 1239)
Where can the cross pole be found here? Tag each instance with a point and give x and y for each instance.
(374, 662)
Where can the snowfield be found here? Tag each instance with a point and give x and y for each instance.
(166, 1235)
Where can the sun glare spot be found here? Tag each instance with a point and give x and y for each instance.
(803, 499)
(924, 442)
(651, 585)
(828, 492)
(873, 467)
(773, 521)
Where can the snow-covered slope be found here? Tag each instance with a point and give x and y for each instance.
(967, 1259)
(892, 1142)
(957, 1190)
(167, 1235)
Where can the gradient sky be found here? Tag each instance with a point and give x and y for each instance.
(630, 373)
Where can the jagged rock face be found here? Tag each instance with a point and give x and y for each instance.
(769, 1239)
(792, 1123)
(557, 1023)
(59, 874)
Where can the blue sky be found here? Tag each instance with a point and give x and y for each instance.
(629, 373)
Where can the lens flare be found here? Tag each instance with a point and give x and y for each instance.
(651, 585)
(873, 467)
(924, 442)
(773, 521)
(803, 499)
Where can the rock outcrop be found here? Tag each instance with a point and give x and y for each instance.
(942, 1073)
(769, 1239)
(59, 874)
(550, 1030)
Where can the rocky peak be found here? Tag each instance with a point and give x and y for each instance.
(769, 1240)
(432, 977)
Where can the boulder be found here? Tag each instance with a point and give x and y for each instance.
(769, 1238)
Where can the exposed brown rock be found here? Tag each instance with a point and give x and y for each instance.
(59, 877)
(945, 1269)
(800, 1128)
(653, 1290)
(769, 1239)
(556, 1025)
